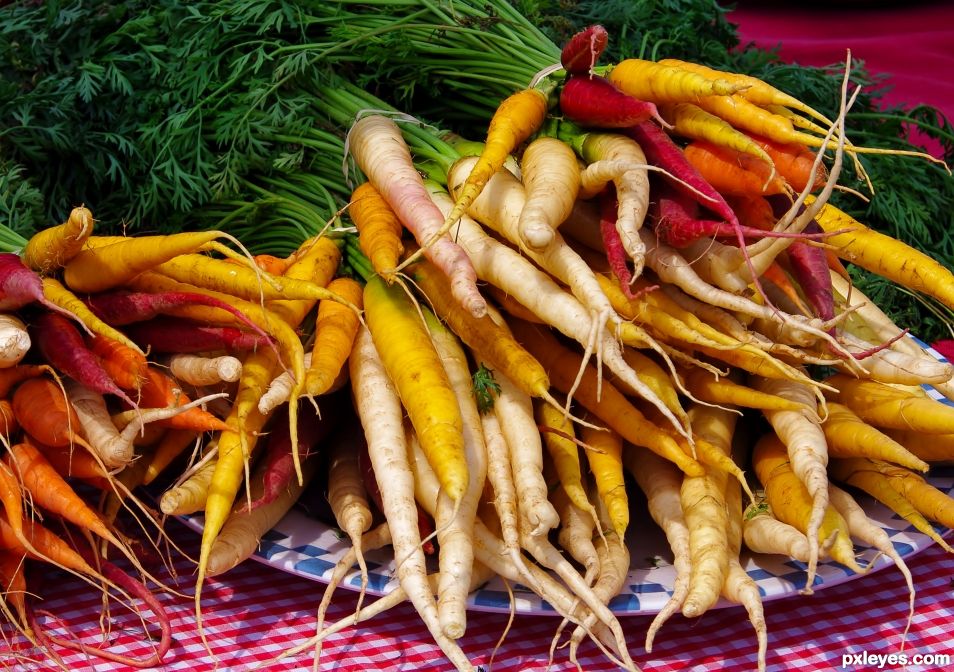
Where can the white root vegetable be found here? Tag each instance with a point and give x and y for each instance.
(514, 412)
(866, 530)
(455, 522)
(201, 371)
(114, 447)
(14, 340)
(381, 414)
(551, 177)
(243, 530)
(764, 533)
(661, 480)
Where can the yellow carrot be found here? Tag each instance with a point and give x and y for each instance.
(850, 436)
(415, 368)
(335, 329)
(606, 464)
(886, 256)
(51, 248)
(657, 83)
(888, 406)
(59, 295)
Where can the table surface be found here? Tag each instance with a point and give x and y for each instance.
(255, 612)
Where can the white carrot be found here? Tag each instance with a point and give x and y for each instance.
(379, 149)
(551, 176)
(114, 447)
(764, 533)
(661, 480)
(198, 370)
(455, 520)
(14, 340)
(381, 414)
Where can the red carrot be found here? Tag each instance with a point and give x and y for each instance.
(61, 344)
(180, 335)
(313, 429)
(21, 286)
(594, 101)
(615, 253)
(122, 307)
(677, 221)
(134, 588)
(581, 51)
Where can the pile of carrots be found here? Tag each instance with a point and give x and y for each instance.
(636, 281)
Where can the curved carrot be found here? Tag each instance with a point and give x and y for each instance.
(379, 149)
(52, 247)
(648, 80)
(379, 228)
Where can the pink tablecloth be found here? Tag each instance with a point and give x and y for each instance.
(255, 611)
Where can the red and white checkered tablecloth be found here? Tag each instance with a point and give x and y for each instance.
(254, 612)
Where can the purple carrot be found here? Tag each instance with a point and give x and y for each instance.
(581, 51)
(61, 344)
(595, 101)
(180, 335)
(135, 589)
(612, 243)
(313, 429)
(20, 286)
(676, 221)
(122, 307)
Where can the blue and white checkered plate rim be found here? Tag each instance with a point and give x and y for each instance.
(309, 548)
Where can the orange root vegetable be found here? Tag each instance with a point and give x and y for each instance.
(44, 411)
(723, 390)
(125, 365)
(381, 153)
(51, 248)
(516, 119)
(379, 229)
(160, 390)
(604, 401)
(335, 331)
(733, 173)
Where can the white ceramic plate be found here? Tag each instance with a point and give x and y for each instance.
(309, 548)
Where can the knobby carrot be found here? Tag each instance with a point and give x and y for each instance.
(50, 248)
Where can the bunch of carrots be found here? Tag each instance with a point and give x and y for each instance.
(635, 281)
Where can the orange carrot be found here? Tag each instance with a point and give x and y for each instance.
(335, 330)
(123, 364)
(316, 261)
(50, 491)
(379, 228)
(603, 400)
(48, 546)
(159, 390)
(732, 172)
(515, 120)
(10, 378)
(43, 410)
(794, 162)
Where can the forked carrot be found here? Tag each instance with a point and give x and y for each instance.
(52, 247)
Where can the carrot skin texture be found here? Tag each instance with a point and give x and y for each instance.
(312, 431)
(583, 49)
(886, 256)
(52, 247)
(379, 228)
(416, 370)
(62, 345)
(594, 101)
(378, 148)
(180, 335)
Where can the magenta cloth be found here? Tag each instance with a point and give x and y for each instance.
(912, 43)
(254, 612)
